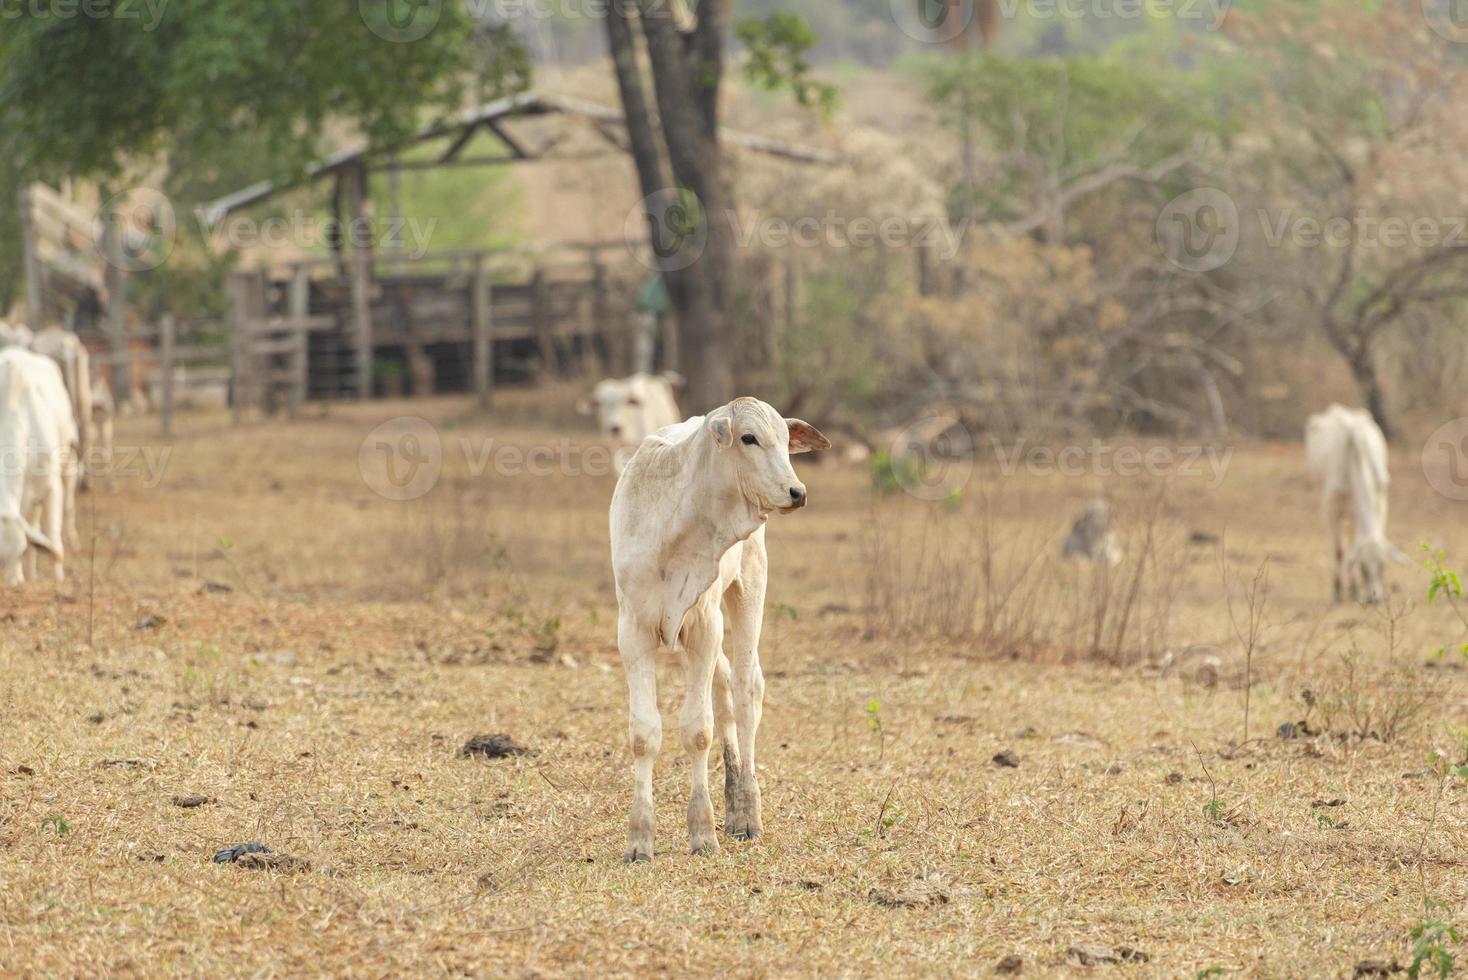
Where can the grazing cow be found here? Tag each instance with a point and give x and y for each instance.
(631, 409)
(63, 347)
(38, 441)
(1090, 538)
(688, 543)
(1347, 452)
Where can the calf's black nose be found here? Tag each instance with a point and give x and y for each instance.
(797, 496)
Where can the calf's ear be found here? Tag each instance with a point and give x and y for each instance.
(675, 379)
(721, 427)
(805, 437)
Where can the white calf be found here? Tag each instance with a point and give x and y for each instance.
(688, 543)
(38, 440)
(1347, 452)
(631, 409)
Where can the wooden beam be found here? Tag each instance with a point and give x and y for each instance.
(458, 144)
(515, 145)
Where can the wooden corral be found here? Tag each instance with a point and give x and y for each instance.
(450, 321)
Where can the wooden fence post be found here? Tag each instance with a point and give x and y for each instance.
(239, 317)
(540, 321)
(299, 309)
(480, 298)
(116, 273)
(361, 281)
(167, 355)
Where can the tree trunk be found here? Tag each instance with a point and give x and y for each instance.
(1368, 380)
(686, 75)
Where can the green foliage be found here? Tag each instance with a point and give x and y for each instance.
(1432, 943)
(56, 823)
(1069, 112)
(778, 48)
(1444, 580)
(93, 95)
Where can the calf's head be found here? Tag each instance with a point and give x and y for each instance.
(1368, 558)
(753, 443)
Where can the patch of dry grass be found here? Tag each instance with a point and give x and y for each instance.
(320, 689)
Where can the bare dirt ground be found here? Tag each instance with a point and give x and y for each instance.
(262, 630)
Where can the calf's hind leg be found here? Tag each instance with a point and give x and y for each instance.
(746, 599)
(703, 638)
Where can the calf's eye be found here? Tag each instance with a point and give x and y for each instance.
(750, 440)
(633, 402)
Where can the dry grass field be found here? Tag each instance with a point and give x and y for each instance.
(258, 627)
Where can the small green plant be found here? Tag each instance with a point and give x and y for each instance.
(1445, 584)
(892, 474)
(781, 609)
(1432, 943)
(56, 822)
(874, 722)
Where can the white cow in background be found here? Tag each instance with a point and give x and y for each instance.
(38, 443)
(688, 542)
(1347, 452)
(631, 409)
(15, 334)
(67, 350)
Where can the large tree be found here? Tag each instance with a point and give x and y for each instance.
(1357, 182)
(674, 136)
(209, 94)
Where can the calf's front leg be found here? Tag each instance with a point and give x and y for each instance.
(638, 646)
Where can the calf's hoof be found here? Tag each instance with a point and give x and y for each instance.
(706, 848)
(636, 855)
